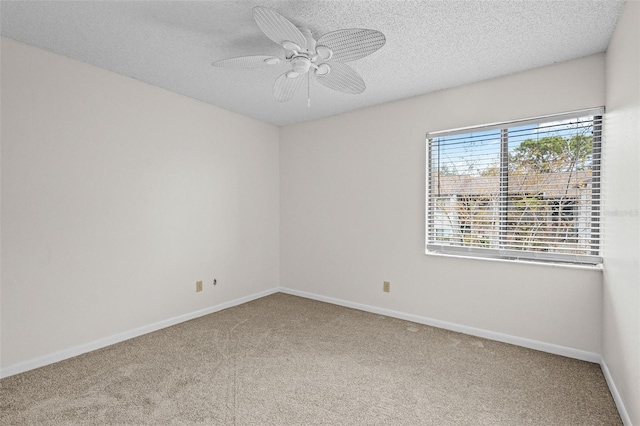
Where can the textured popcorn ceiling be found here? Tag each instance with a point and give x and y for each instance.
(431, 45)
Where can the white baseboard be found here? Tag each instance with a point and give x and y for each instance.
(514, 340)
(624, 415)
(491, 335)
(120, 337)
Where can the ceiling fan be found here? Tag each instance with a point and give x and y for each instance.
(325, 57)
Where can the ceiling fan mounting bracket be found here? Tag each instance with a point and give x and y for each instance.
(291, 46)
(322, 69)
(272, 61)
(324, 52)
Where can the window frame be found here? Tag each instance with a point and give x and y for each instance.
(592, 259)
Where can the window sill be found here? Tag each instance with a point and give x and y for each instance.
(597, 267)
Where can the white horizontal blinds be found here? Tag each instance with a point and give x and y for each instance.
(465, 195)
(550, 188)
(522, 190)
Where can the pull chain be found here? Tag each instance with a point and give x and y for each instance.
(308, 91)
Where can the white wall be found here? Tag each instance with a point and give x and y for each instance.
(621, 180)
(116, 197)
(352, 205)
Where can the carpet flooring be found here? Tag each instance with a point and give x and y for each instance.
(286, 360)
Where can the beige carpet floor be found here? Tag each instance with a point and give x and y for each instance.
(285, 360)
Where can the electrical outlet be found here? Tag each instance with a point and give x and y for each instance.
(385, 286)
(198, 286)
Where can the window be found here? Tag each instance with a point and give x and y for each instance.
(528, 189)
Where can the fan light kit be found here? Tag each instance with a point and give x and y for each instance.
(324, 58)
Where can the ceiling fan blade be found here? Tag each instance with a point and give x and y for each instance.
(352, 43)
(284, 88)
(277, 27)
(246, 61)
(342, 78)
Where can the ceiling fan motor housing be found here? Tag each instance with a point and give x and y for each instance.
(300, 64)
